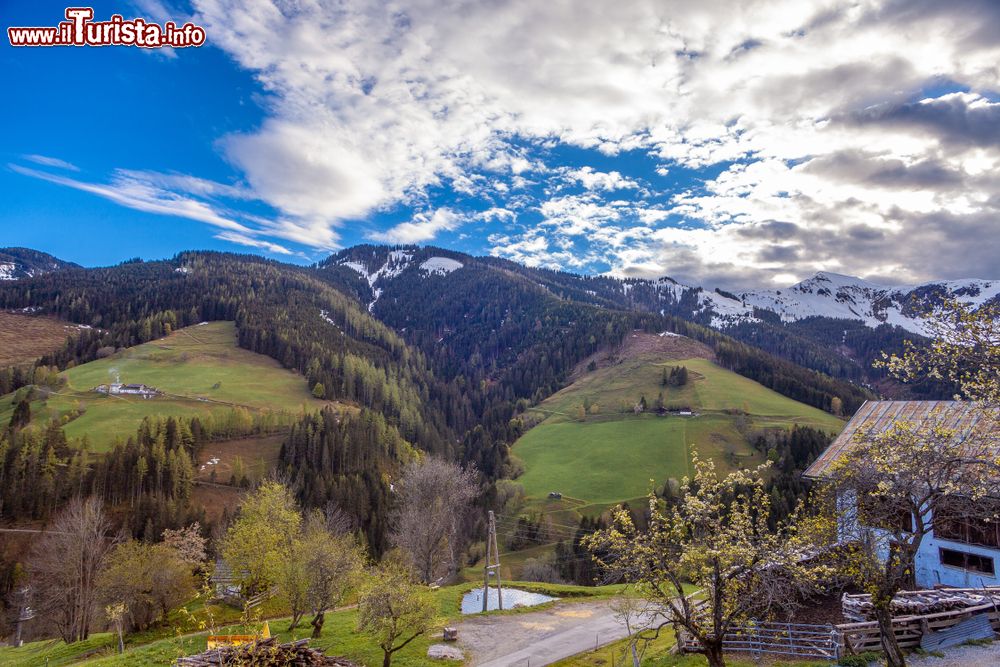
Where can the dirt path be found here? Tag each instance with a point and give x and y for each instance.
(539, 638)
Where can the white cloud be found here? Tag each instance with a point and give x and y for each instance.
(196, 199)
(496, 214)
(808, 112)
(376, 103)
(51, 162)
(142, 195)
(422, 228)
(600, 180)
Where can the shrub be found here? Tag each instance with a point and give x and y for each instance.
(860, 660)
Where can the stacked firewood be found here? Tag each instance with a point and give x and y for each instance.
(264, 653)
(859, 608)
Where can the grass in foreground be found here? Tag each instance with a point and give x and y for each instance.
(161, 646)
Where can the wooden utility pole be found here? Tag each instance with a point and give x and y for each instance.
(492, 565)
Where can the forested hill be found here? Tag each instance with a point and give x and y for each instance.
(475, 317)
(395, 282)
(448, 347)
(440, 351)
(295, 316)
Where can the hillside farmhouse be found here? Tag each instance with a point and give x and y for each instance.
(118, 389)
(962, 553)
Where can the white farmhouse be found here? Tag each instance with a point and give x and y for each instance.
(963, 553)
(118, 389)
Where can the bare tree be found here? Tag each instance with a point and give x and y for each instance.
(188, 542)
(65, 563)
(338, 522)
(434, 497)
(635, 612)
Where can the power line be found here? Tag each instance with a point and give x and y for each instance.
(513, 523)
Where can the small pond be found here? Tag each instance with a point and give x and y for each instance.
(472, 602)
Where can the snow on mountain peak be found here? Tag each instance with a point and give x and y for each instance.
(830, 280)
(440, 265)
(839, 296)
(396, 262)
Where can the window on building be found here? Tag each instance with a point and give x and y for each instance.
(962, 520)
(967, 561)
(887, 513)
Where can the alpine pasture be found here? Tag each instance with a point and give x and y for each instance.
(591, 445)
(200, 371)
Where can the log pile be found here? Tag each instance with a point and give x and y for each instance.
(265, 653)
(858, 608)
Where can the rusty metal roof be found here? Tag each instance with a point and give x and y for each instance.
(876, 417)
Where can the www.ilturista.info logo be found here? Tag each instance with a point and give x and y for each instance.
(81, 30)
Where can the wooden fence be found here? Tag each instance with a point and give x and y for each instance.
(831, 642)
(789, 640)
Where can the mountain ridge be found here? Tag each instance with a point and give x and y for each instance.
(442, 300)
(17, 263)
(825, 294)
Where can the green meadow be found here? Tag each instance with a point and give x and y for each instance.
(602, 462)
(613, 455)
(200, 370)
(187, 634)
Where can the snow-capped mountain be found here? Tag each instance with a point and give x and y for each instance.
(378, 265)
(845, 297)
(826, 294)
(18, 263)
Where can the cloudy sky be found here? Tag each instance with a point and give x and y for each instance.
(727, 143)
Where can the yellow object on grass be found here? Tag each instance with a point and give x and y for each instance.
(217, 641)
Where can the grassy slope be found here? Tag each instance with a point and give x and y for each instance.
(187, 365)
(163, 646)
(613, 456)
(24, 338)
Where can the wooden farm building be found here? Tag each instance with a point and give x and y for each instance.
(963, 554)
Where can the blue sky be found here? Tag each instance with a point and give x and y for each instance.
(730, 144)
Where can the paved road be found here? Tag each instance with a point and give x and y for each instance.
(539, 638)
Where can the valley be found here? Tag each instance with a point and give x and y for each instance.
(567, 395)
(500, 334)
